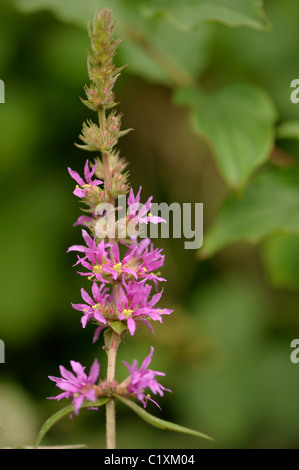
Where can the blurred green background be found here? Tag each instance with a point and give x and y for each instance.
(226, 349)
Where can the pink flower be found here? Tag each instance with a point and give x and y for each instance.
(144, 259)
(132, 306)
(79, 386)
(93, 307)
(83, 220)
(137, 212)
(95, 256)
(144, 378)
(101, 263)
(135, 307)
(87, 185)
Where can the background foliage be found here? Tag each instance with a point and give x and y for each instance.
(207, 90)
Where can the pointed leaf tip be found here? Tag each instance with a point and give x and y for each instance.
(158, 422)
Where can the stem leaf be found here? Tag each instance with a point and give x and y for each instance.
(160, 423)
(238, 122)
(61, 414)
(117, 326)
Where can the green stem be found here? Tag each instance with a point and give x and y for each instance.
(113, 346)
(110, 406)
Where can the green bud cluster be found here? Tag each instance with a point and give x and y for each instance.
(100, 97)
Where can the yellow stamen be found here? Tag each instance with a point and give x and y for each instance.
(97, 306)
(97, 268)
(118, 267)
(127, 313)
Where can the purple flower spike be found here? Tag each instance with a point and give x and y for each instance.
(79, 386)
(144, 378)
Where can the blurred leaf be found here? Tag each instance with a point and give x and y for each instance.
(19, 123)
(31, 235)
(223, 390)
(288, 130)
(153, 48)
(18, 412)
(66, 48)
(77, 12)
(269, 204)
(238, 121)
(159, 423)
(158, 52)
(246, 54)
(62, 413)
(186, 15)
(225, 302)
(189, 14)
(278, 385)
(281, 258)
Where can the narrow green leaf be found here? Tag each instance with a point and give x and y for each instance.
(61, 414)
(70, 446)
(238, 121)
(160, 423)
(269, 205)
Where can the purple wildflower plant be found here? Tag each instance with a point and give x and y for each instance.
(122, 271)
(143, 378)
